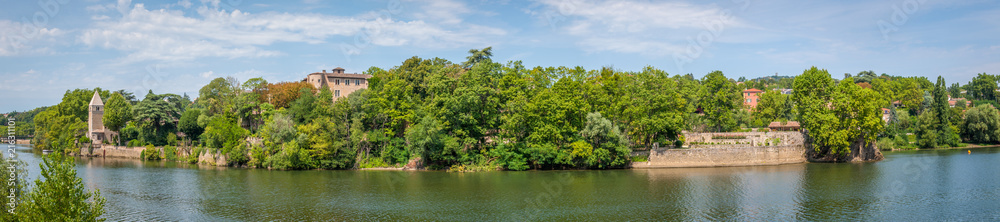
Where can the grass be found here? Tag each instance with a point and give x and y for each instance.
(640, 158)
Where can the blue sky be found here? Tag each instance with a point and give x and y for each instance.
(49, 46)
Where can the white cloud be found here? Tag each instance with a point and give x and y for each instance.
(169, 35)
(650, 28)
(19, 39)
(207, 74)
(184, 3)
(444, 11)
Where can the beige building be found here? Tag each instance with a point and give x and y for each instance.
(340, 84)
(95, 124)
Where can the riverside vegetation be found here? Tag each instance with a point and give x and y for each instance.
(61, 196)
(484, 115)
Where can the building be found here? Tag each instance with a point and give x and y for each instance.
(95, 124)
(751, 97)
(786, 91)
(340, 84)
(886, 114)
(787, 126)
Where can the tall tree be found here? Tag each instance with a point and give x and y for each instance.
(477, 56)
(720, 100)
(117, 112)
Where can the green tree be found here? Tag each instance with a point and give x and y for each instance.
(720, 100)
(477, 56)
(189, 124)
(61, 196)
(982, 124)
(219, 95)
(117, 112)
(606, 146)
(772, 107)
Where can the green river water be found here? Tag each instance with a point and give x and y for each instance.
(931, 185)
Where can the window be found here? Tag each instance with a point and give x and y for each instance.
(338, 82)
(347, 82)
(336, 93)
(357, 82)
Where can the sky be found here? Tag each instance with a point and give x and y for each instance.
(50, 46)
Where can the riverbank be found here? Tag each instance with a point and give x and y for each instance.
(730, 149)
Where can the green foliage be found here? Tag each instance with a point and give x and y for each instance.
(605, 145)
(61, 196)
(982, 124)
(773, 106)
(189, 124)
(170, 153)
(117, 112)
(16, 187)
(151, 153)
(837, 115)
(720, 101)
(219, 95)
(291, 157)
(57, 128)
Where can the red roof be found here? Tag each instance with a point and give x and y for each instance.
(752, 90)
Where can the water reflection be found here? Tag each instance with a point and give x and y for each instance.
(924, 185)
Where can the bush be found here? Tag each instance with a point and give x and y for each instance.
(170, 153)
(237, 155)
(886, 144)
(195, 153)
(61, 196)
(150, 153)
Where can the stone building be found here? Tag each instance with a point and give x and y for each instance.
(95, 124)
(340, 84)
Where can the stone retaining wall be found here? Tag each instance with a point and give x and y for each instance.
(745, 139)
(114, 151)
(721, 149)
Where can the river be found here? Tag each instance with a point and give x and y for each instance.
(930, 185)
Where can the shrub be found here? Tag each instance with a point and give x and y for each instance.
(61, 196)
(150, 153)
(170, 153)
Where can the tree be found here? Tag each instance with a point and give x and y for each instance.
(282, 94)
(837, 117)
(189, 124)
(219, 95)
(477, 56)
(720, 100)
(61, 196)
(982, 124)
(606, 146)
(156, 116)
(772, 107)
(117, 112)
(983, 87)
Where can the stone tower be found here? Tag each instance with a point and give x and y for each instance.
(95, 125)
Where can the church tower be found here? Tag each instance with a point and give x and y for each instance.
(95, 125)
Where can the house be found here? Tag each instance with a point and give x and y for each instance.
(787, 126)
(886, 114)
(953, 102)
(340, 84)
(786, 91)
(751, 97)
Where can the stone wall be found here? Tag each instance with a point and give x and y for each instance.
(745, 139)
(733, 156)
(114, 151)
(730, 149)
